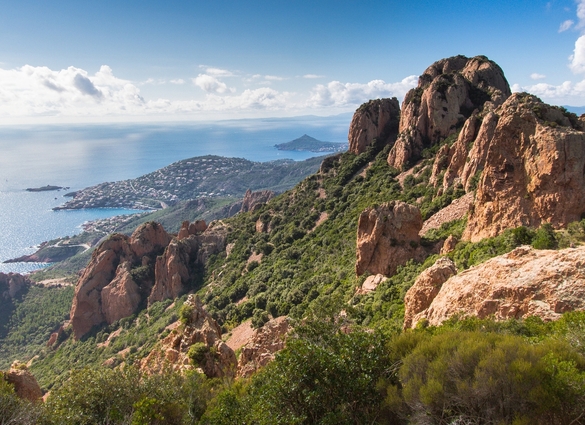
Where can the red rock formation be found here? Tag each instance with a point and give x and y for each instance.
(376, 119)
(200, 327)
(11, 284)
(426, 287)
(387, 237)
(531, 170)
(121, 297)
(448, 92)
(25, 384)
(525, 282)
(106, 291)
(253, 200)
(265, 343)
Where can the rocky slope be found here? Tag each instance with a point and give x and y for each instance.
(525, 282)
(214, 357)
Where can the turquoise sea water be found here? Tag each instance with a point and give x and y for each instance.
(79, 156)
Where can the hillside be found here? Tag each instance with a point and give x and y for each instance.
(199, 177)
(343, 261)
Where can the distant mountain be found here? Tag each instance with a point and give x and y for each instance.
(308, 143)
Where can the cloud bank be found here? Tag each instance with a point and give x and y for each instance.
(34, 92)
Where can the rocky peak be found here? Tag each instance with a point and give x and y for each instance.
(376, 119)
(448, 92)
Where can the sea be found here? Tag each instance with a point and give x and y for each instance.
(79, 156)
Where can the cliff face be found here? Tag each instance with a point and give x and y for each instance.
(126, 272)
(448, 93)
(387, 237)
(522, 283)
(532, 168)
(376, 119)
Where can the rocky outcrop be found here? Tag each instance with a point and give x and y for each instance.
(426, 287)
(216, 360)
(121, 297)
(387, 237)
(265, 343)
(529, 168)
(376, 119)
(525, 282)
(253, 200)
(370, 284)
(12, 284)
(125, 273)
(188, 229)
(25, 384)
(448, 93)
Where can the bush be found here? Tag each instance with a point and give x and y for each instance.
(545, 237)
(197, 353)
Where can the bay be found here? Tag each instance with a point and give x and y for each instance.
(78, 156)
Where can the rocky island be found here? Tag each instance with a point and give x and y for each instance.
(46, 188)
(308, 143)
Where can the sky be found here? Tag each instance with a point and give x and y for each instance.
(135, 61)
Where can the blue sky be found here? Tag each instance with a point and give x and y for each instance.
(126, 60)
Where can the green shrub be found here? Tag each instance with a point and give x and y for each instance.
(545, 237)
(197, 353)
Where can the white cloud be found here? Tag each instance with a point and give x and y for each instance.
(536, 76)
(217, 72)
(566, 25)
(33, 91)
(211, 84)
(340, 94)
(273, 78)
(581, 13)
(262, 98)
(577, 59)
(312, 76)
(177, 81)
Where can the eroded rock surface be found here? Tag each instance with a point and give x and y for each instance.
(217, 360)
(25, 384)
(525, 282)
(11, 284)
(531, 171)
(265, 343)
(387, 237)
(426, 287)
(127, 272)
(448, 93)
(376, 119)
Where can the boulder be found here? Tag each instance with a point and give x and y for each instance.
(25, 384)
(425, 289)
(253, 200)
(387, 237)
(376, 119)
(525, 282)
